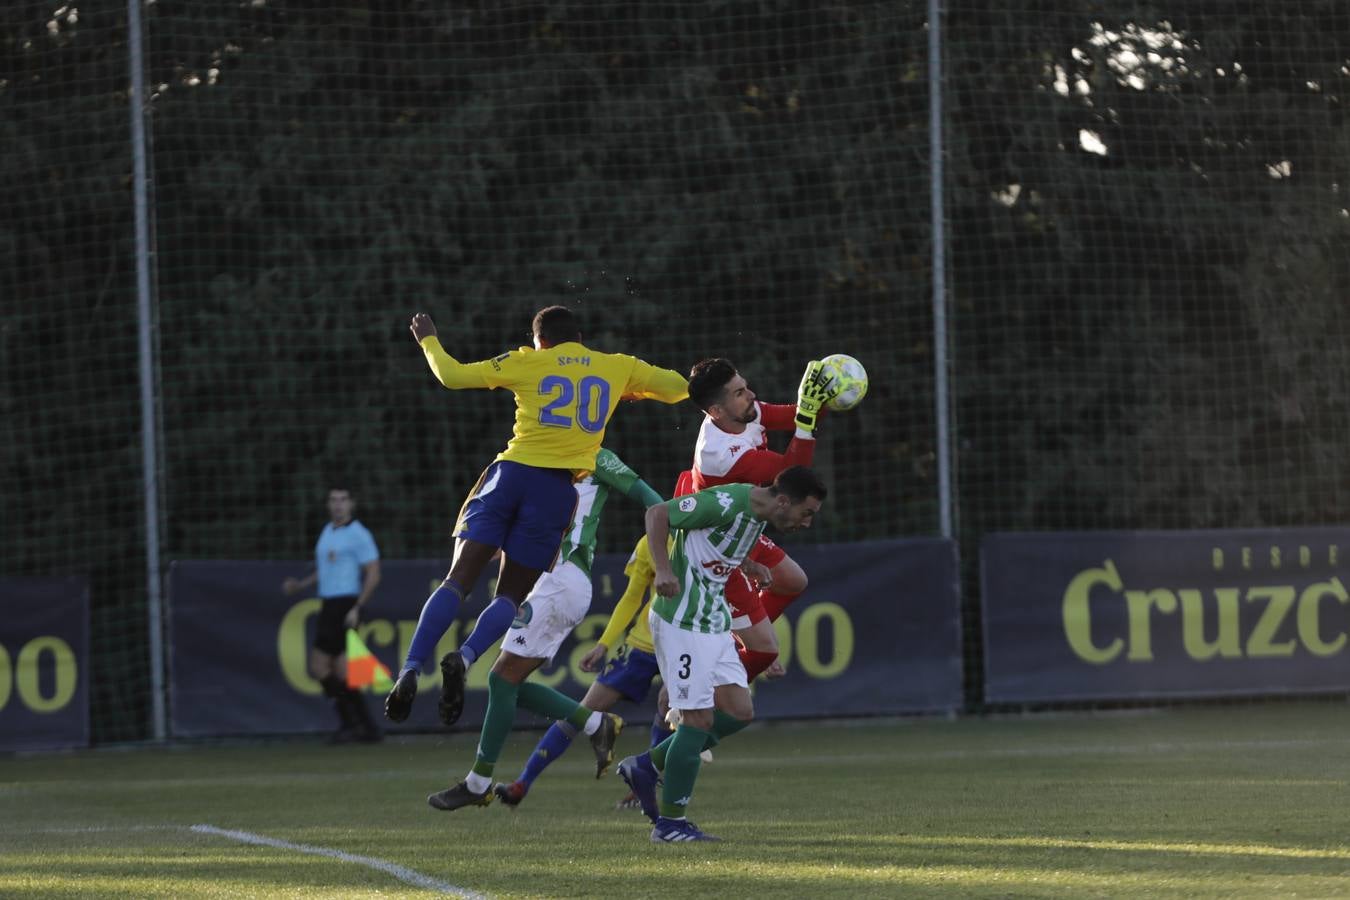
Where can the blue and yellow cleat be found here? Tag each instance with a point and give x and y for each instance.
(678, 831)
(641, 777)
(603, 741)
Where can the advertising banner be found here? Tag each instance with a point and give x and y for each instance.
(877, 632)
(1145, 615)
(44, 672)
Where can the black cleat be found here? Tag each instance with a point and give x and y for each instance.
(398, 704)
(452, 687)
(510, 794)
(604, 740)
(457, 796)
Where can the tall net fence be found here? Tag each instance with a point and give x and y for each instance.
(1145, 225)
(72, 479)
(698, 180)
(1149, 207)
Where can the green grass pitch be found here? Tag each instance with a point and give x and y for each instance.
(1237, 800)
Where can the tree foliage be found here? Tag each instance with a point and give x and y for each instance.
(1145, 226)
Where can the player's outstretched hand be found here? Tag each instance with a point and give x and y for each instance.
(817, 389)
(593, 660)
(422, 327)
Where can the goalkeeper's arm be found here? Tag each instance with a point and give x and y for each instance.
(763, 466)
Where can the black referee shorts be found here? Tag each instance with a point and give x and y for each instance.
(330, 636)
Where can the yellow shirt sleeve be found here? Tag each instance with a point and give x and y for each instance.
(641, 573)
(647, 382)
(455, 375)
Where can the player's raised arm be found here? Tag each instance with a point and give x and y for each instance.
(763, 466)
(648, 382)
(449, 371)
(778, 416)
(615, 473)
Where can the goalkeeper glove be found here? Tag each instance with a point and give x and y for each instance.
(818, 387)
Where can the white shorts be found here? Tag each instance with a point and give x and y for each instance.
(555, 607)
(694, 664)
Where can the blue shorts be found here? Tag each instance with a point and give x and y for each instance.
(630, 673)
(524, 510)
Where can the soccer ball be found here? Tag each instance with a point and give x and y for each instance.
(853, 378)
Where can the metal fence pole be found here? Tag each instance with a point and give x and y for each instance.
(154, 611)
(941, 387)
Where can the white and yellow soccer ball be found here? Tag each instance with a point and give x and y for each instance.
(852, 377)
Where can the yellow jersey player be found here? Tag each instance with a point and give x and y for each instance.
(523, 502)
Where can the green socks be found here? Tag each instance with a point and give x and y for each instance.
(551, 704)
(497, 722)
(724, 725)
(681, 768)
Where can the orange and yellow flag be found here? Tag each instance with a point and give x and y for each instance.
(363, 669)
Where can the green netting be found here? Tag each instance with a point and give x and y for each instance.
(1150, 269)
(1151, 263)
(697, 179)
(68, 343)
(1145, 225)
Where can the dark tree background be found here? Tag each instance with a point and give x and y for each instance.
(1145, 227)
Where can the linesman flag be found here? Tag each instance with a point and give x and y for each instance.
(363, 669)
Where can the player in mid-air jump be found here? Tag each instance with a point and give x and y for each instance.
(523, 502)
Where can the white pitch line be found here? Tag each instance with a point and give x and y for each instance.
(407, 876)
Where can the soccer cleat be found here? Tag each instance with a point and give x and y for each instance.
(678, 831)
(630, 801)
(511, 794)
(457, 796)
(398, 704)
(603, 741)
(641, 777)
(452, 687)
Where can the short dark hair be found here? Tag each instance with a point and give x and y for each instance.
(708, 381)
(556, 324)
(798, 483)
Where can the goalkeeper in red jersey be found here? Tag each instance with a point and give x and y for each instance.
(733, 448)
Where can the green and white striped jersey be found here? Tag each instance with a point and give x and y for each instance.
(578, 544)
(713, 531)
